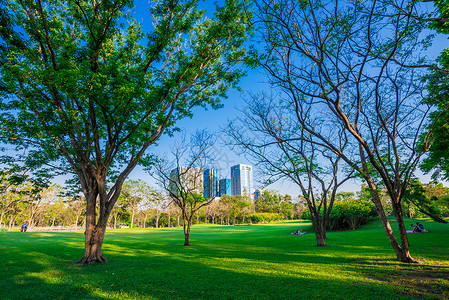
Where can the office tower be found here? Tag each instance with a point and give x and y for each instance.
(242, 180)
(210, 183)
(258, 193)
(186, 180)
(224, 187)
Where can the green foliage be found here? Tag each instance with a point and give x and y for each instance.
(423, 200)
(350, 214)
(265, 217)
(268, 202)
(347, 215)
(85, 89)
(437, 161)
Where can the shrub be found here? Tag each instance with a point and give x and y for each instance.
(349, 214)
(265, 217)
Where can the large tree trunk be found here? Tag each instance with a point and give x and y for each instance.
(402, 253)
(93, 243)
(320, 232)
(95, 231)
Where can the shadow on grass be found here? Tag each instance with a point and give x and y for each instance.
(173, 276)
(267, 263)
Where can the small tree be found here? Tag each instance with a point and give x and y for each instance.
(182, 178)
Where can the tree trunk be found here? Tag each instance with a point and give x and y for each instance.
(402, 253)
(94, 232)
(93, 243)
(1, 218)
(186, 225)
(320, 232)
(12, 220)
(132, 217)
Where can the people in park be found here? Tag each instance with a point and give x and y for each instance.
(24, 227)
(418, 228)
(299, 232)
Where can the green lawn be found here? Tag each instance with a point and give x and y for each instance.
(225, 262)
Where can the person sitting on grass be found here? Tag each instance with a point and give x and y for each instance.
(416, 229)
(299, 232)
(420, 227)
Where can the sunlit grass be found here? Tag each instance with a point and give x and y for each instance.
(225, 262)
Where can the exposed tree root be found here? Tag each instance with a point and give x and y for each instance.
(92, 259)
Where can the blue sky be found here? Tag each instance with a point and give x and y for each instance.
(213, 120)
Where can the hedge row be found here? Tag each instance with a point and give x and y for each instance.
(347, 215)
(265, 217)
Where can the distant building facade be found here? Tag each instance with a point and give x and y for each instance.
(210, 183)
(242, 180)
(258, 193)
(186, 180)
(224, 187)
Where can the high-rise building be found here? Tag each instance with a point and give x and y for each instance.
(258, 193)
(224, 187)
(242, 180)
(210, 183)
(186, 180)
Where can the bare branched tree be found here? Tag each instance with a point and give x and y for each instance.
(182, 176)
(347, 64)
(283, 150)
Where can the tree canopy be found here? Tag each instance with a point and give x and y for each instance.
(86, 89)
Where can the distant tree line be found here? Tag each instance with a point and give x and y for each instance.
(139, 205)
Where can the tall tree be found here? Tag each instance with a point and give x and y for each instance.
(284, 150)
(86, 89)
(348, 65)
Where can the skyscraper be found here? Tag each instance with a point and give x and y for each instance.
(242, 180)
(224, 187)
(210, 183)
(186, 180)
(258, 193)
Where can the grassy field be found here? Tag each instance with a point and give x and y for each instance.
(225, 262)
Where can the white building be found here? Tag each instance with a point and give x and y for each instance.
(242, 180)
